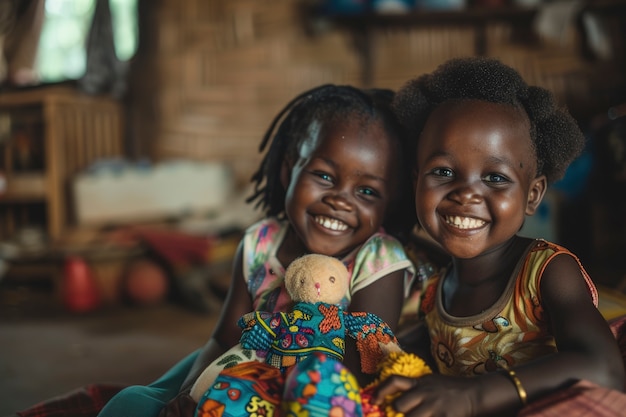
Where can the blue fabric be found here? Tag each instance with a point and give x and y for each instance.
(149, 400)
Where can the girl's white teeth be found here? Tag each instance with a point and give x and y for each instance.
(464, 222)
(331, 224)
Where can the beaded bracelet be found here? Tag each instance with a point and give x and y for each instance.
(521, 392)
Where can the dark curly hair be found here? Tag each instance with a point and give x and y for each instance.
(556, 137)
(331, 103)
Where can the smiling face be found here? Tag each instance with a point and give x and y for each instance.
(476, 176)
(340, 186)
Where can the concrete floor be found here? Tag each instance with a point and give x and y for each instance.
(46, 351)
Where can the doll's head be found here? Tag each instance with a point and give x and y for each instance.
(316, 278)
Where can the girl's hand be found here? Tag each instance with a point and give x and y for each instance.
(430, 395)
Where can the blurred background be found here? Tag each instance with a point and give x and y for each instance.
(129, 130)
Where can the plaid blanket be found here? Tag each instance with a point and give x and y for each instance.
(86, 401)
(583, 399)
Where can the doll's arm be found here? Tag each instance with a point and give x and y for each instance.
(256, 333)
(383, 298)
(369, 331)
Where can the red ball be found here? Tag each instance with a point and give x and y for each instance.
(80, 291)
(146, 283)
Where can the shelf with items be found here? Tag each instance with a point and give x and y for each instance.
(362, 27)
(47, 135)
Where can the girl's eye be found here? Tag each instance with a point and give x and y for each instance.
(496, 178)
(443, 172)
(324, 176)
(368, 192)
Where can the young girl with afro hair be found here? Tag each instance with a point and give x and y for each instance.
(511, 318)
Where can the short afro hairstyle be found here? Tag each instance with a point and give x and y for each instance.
(556, 137)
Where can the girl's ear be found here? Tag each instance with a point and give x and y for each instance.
(538, 189)
(285, 172)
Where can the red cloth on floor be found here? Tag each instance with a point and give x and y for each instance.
(86, 401)
(179, 249)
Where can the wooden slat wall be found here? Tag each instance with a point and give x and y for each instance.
(213, 73)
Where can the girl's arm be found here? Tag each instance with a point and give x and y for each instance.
(384, 298)
(226, 333)
(586, 350)
(586, 347)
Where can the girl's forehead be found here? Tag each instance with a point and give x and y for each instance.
(346, 132)
(481, 124)
(353, 146)
(475, 116)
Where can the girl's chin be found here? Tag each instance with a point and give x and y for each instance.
(337, 251)
(465, 251)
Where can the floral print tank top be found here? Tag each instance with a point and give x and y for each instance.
(513, 331)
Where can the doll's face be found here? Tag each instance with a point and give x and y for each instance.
(317, 278)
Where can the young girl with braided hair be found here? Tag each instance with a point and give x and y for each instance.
(333, 182)
(511, 319)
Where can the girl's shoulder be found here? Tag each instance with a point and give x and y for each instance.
(542, 245)
(381, 246)
(541, 253)
(265, 226)
(379, 256)
(265, 232)
(262, 239)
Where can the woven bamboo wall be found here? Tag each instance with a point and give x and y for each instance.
(213, 73)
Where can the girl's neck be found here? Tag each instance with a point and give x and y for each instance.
(497, 264)
(474, 285)
(290, 248)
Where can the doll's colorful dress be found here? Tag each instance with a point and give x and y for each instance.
(290, 337)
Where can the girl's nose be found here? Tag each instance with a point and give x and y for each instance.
(339, 201)
(466, 194)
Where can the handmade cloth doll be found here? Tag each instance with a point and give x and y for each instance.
(316, 283)
(316, 323)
